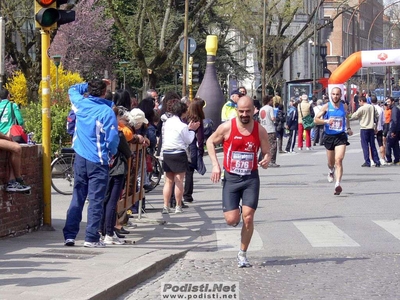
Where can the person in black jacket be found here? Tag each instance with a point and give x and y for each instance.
(280, 120)
(291, 124)
(116, 182)
(393, 135)
(196, 147)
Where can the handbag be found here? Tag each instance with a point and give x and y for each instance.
(201, 168)
(17, 132)
(308, 121)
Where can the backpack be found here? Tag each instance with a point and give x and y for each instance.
(71, 119)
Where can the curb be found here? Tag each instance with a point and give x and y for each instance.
(120, 288)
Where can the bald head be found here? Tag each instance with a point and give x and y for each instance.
(245, 100)
(245, 109)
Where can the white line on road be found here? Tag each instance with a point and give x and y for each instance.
(391, 226)
(228, 238)
(325, 234)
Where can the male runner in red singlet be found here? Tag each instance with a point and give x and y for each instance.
(241, 137)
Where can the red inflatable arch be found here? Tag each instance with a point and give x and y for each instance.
(373, 58)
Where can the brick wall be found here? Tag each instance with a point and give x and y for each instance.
(22, 213)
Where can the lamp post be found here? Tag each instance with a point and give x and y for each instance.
(369, 33)
(123, 64)
(264, 50)
(57, 61)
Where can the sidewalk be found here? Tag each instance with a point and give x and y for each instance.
(39, 266)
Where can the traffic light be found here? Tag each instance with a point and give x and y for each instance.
(195, 73)
(190, 71)
(392, 81)
(48, 14)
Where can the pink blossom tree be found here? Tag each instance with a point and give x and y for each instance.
(85, 43)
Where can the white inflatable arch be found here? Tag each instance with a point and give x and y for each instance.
(372, 58)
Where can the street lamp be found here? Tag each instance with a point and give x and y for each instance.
(57, 61)
(326, 73)
(123, 64)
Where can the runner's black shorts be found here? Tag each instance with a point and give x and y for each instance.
(385, 129)
(236, 187)
(333, 140)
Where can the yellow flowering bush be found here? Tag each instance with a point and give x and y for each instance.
(18, 89)
(59, 104)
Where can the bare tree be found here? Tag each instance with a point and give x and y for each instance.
(22, 43)
(152, 33)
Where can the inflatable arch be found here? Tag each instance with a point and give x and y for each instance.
(372, 58)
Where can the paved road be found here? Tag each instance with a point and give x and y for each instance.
(308, 243)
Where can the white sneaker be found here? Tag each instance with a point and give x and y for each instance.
(383, 162)
(166, 210)
(131, 225)
(69, 242)
(243, 262)
(178, 209)
(330, 176)
(372, 163)
(113, 240)
(98, 244)
(308, 148)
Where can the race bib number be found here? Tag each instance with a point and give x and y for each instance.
(242, 163)
(337, 124)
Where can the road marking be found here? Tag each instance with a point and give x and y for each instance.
(325, 234)
(391, 226)
(228, 238)
(357, 150)
(348, 151)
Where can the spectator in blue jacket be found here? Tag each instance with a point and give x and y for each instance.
(95, 140)
(291, 124)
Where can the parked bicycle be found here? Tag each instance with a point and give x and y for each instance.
(154, 170)
(62, 171)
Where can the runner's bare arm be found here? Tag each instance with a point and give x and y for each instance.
(265, 147)
(348, 129)
(317, 119)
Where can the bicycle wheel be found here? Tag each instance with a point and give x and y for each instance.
(62, 174)
(155, 172)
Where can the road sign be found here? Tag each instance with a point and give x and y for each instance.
(192, 45)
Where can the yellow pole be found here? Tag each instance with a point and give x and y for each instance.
(190, 77)
(186, 47)
(46, 123)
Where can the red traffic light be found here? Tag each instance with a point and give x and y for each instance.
(48, 14)
(45, 2)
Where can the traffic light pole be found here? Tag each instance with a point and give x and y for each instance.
(46, 125)
(185, 51)
(190, 77)
(48, 16)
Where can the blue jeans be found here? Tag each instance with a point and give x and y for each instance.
(89, 179)
(368, 142)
